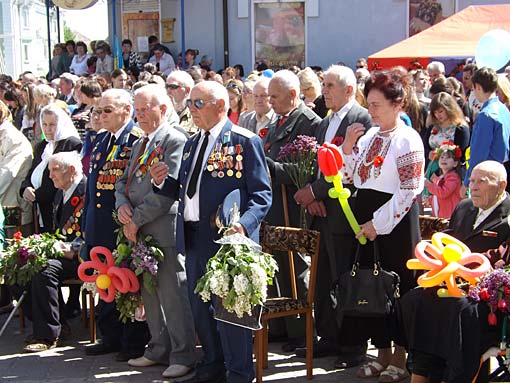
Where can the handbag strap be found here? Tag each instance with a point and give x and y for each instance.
(377, 259)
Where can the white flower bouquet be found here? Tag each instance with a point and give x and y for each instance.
(238, 274)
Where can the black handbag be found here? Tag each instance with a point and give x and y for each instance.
(366, 292)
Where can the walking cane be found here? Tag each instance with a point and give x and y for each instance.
(20, 301)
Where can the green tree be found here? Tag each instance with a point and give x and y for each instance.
(68, 33)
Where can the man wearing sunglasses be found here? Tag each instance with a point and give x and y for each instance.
(108, 161)
(178, 88)
(200, 189)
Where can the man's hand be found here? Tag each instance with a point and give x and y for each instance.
(353, 133)
(304, 196)
(124, 212)
(159, 172)
(317, 208)
(236, 228)
(29, 194)
(130, 231)
(65, 248)
(368, 230)
(463, 192)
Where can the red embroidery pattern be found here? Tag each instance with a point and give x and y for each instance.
(410, 168)
(373, 150)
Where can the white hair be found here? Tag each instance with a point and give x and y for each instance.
(182, 77)
(68, 159)
(157, 94)
(120, 95)
(288, 80)
(495, 170)
(263, 81)
(344, 75)
(436, 65)
(216, 90)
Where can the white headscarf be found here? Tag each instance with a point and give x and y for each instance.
(65, 129)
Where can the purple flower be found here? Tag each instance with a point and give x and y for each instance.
(24, 254)
(143, 258)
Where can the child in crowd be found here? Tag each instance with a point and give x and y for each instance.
(444, 189)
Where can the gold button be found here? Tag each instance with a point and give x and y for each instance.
(98, 194)
(98, 206)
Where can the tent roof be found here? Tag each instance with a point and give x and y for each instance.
(456, 36)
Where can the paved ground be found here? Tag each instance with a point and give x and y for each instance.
(69, 364)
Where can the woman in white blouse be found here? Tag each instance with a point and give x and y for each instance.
(386, 166)
(79, 64)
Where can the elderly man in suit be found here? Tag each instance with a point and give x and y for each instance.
(178, 86)
(141, 210)
(294, 119)
(201, 189)
(339, 89)
(42, 306)
(263, 115)
(482, 222)
(108, 162)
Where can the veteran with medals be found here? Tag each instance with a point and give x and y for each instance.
(141, 210)
(203, 182)
(108, 161)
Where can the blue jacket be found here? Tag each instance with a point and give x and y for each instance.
(97, 219)
(254, 185)
(490, 136)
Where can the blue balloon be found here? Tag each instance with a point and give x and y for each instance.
(493, 49)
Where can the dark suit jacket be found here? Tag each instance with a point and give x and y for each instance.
(336, 220)
(489, 234)
(65, 214)
(301, 121)
(45, 194)
(71, 101)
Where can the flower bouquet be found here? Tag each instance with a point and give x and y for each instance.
(238, 275)
(299, 158)
(25, 257)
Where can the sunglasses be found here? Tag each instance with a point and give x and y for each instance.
(198, 103)
(233, 85)
(172, 86)
(107, 110)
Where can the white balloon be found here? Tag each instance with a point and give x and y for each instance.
(493, 49)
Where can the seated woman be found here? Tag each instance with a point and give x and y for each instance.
(60, 135)
(42, 304)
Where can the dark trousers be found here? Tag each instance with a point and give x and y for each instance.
(224, 345)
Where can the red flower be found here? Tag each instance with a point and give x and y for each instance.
(435, 131)
(338, 141)
(458, 152)
(263, 132)
(378, 161)
(506, 291)
(17, 236)
(75, 201)
(484, 295)
(492, 319)
(501, 305)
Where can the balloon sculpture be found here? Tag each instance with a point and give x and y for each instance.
(493, 49)
(330, 163)
(110, 277)
(445, 258)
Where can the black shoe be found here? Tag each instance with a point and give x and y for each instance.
(349, 360)
(203, 377)
(320, 350)
(101, 349)
(124, 356)
(65, 332)
(293, 344)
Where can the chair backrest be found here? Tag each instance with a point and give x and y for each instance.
(12, 220)
(280, 238)
(430, 225)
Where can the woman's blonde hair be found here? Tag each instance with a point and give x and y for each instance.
(443, 100)
(504, 89)
(309, 79)
(5, 113)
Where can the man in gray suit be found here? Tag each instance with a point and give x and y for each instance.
(263, 115)
(140, 209)
(337, 238)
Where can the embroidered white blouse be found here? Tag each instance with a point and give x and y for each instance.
(391, 164)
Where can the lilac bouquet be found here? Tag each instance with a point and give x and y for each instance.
(299, 158)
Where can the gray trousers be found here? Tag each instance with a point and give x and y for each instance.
(169, 315)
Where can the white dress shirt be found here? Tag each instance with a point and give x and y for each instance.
(69, 192)
(483, 214)
(335, 121)
(192, 205)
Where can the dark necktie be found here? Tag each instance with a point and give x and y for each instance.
(111, 143)
(192, 186)
(282, 120)
(134, 166)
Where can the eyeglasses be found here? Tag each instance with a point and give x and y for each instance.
(107, 110)
(172, 86)
(233, 85)
(198, 103)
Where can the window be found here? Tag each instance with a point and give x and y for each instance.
(25, 19)
(25, 48)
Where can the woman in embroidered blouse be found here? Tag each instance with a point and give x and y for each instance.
(60, 136)
(386, 166)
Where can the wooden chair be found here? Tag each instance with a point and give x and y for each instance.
(287, 239)
(430, 225)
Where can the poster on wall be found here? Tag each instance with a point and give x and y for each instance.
(280, 34)
(425, 13)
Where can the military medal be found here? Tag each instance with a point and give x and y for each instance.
(239, 150)
(210, 168)
(239, 168)
(230, 172)
(214, 174)
(221, 174)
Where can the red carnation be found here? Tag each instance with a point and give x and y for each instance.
(484, 295)
(74, 201)
(17, 236)
(435, 131)
(458, 152)
(338, 141)
(378, 161)
(492, 319)
(263, 132)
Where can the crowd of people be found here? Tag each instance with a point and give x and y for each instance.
(80, 145)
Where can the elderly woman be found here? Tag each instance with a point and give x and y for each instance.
(60, 135)
(386, 166)
(235, 91)
(310, 86)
